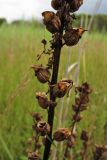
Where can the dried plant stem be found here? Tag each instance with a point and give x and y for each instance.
(56, 56)
(84, 154)
(72, 131)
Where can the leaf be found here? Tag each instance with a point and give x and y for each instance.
(6, 148)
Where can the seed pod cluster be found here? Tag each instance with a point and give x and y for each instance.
(52, 21)
(60, 25)
(74, 4)
(41, 73)
(61, 88)
(82, 98)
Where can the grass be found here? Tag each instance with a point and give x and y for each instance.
(19, 46)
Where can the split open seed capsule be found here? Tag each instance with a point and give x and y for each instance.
(43, 128)
(72, 36)
(60, 89)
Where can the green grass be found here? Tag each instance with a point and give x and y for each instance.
(19, 46)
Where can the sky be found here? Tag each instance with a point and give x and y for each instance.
(26, 9)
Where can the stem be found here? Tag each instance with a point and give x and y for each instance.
(56, 55)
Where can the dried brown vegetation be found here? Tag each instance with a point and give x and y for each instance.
(60, 25)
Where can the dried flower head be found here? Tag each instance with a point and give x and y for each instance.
(61, 134)
(42, 99)
(41, 73)
(61, 88)
(82, 97)
(42, 127)
(52, 21)
(72, 36)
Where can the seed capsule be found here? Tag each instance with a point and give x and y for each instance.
(37, 117)
(61, 134)
(42, 100)
(43, 128)
(75, 5)
(77, 117)
(52, 21)
(84, 135)
(56, 4)
(33, 156)
(60, 89)
(41, 73)
(72, 36)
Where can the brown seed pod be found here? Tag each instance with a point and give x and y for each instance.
(61, 134)
(42, 100)
(99, 152)
(84, 136)
(41, 73)
(37, 116)
(60, 89)
(72, 36)
(43, 128)
(85, 88)
(75, 5)
(77, 117)
(56, 4)
(33, 156)
(52, 21)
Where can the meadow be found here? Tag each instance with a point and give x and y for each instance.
(19, 46)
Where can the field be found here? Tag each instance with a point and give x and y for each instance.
(19, 46)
